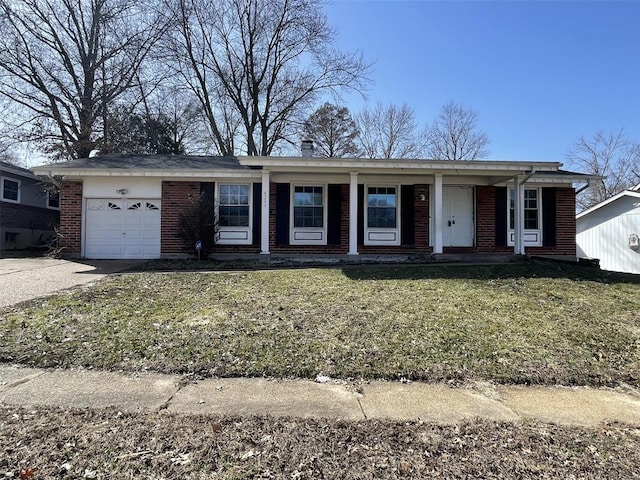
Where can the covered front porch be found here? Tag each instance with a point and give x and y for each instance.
(439, 207)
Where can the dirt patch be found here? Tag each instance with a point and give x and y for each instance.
(52, 443)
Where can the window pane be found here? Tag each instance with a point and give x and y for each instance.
(233, 208)
(531, 209)
(531, 219)
(308, 203)
(54, 199)
(381, 207)
(10, 190)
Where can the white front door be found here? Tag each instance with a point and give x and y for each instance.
(117, 228)
(457, 216)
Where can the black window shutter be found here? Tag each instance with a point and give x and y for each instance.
(207, 228)
(257, 212)
(206, 192)
(282, 213)
(360, 214)
(549, 217)
(501, 216)
(407, 213)
(334, 214)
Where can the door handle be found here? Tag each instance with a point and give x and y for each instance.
(448, 223)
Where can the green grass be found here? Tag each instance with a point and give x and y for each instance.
(517, 323)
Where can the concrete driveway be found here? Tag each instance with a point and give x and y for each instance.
(27, 278)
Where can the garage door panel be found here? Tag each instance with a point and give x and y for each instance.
(122, 229)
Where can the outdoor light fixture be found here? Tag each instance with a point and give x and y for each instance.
(122, 191)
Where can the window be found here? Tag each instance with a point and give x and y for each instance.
(10, 237)
(53, 199)
(11, 190)
(381, 207)
(233, 206)
(308, 207)
(308, 215)
(382, 216)
(531, 209)
(532, 216)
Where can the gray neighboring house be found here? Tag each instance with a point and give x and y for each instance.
(28, 211)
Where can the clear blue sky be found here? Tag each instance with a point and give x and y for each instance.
(538, 73)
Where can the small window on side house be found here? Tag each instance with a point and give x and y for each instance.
(11, 190)
(53, 199)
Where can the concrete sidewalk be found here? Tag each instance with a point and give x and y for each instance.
(303, 398)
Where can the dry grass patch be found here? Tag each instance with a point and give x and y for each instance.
(517, 323)
(55, 443)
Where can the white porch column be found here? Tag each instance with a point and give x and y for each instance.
(264, 214)
(437, 213)
(353, 213)
(518, 216)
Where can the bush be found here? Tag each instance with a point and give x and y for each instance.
(198, 222)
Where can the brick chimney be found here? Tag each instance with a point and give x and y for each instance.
(307, 148)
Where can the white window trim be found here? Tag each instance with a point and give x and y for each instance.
(2, 179)
(377, 235)
(531, 237)
(230, 235)
(308, 235)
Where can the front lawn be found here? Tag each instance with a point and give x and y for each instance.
(533, 322)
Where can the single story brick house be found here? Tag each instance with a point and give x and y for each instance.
(29, 212)
(129, 206)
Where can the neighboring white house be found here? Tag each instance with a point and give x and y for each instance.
(610, 232)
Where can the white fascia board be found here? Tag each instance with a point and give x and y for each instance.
(625, 193)
(79, 173)
(361, 164)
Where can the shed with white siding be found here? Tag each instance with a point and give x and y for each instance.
(610, 232)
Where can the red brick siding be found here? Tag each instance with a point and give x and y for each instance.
(421, 215)
(175, 199)
(485, 219)
(71, 217)
(565, 226)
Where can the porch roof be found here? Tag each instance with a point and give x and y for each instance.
(184, 166)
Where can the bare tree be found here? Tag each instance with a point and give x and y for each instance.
(7, 155)
(454, 135)
(611, 155)
(65, 61)
(257, 65)
(389, 131)
(332, 131)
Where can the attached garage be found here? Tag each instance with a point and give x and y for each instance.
(117, 228)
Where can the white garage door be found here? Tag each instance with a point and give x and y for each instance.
(122, 229)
